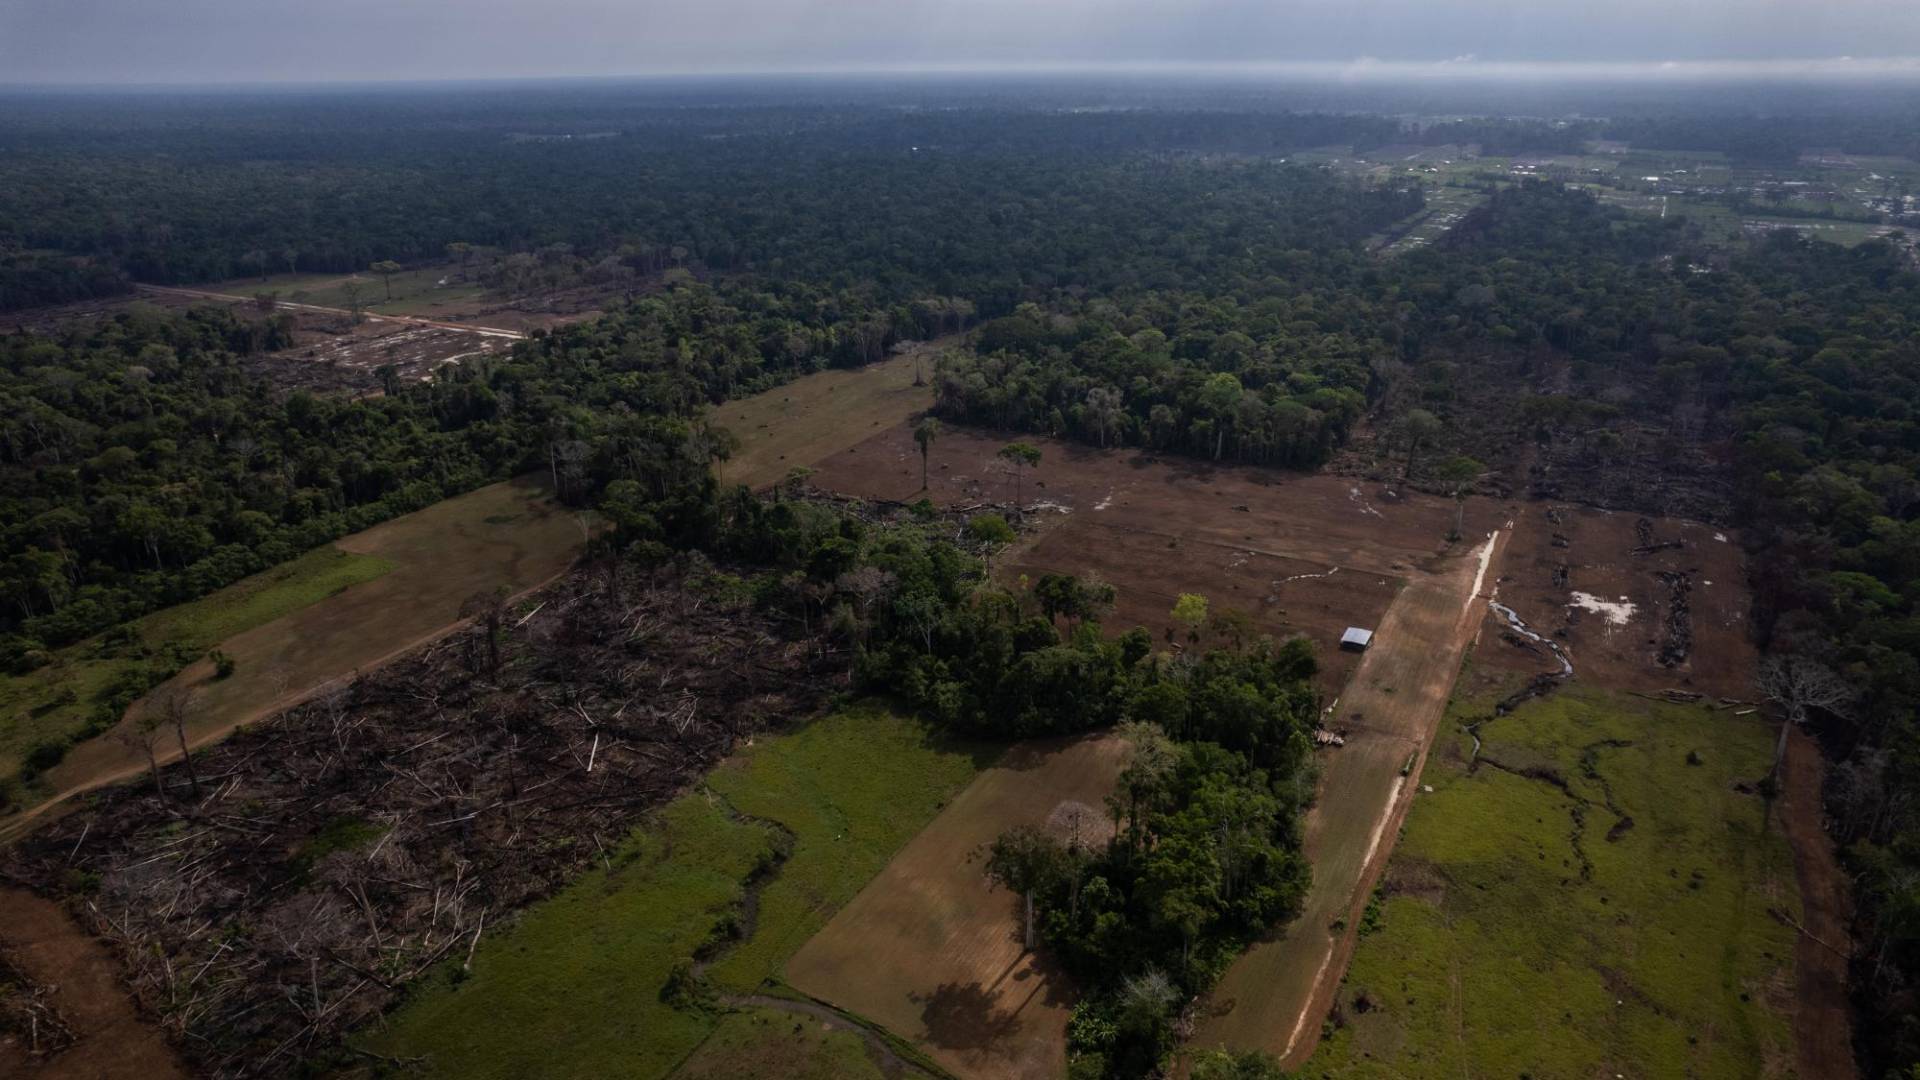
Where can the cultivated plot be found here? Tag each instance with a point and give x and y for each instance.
(933, 952)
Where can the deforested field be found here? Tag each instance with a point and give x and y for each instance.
(933, 952)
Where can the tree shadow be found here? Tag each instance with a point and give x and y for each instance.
(964, 1016)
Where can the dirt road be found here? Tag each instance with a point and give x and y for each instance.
(202, 294)
(112, 1041)
(1822, 1020)
(1275, 995)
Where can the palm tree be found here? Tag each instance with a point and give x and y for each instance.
(927, 431)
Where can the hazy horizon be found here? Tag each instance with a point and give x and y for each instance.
(214, 42)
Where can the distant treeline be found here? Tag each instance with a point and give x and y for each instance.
(986, 203)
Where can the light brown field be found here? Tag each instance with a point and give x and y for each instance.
(509, 535)
(933, 952)
(811, 418)
(1299, 554)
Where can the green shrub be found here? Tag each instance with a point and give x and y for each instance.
(989, 529)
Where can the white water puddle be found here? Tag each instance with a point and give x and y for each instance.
(1519, 626)
(1616, 612)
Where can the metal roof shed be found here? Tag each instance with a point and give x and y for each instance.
(1356, 639)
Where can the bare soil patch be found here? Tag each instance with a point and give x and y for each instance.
(79, 982)
(1307, 555)
(1680, 585)
(933, 952)
(1822, 1010)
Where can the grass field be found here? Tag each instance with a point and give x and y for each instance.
(761, 1042)
(822, 414)
(931, 950)
(508, 535)
(415, 292)
(573, 987)
(1523, 931)
(56, 702)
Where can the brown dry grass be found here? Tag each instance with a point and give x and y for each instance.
(933, 952)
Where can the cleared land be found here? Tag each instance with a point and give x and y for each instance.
(740, 871)
(1586, 900)
(56, 702)
(1299, 554)
(504, 535)
(1272, 998)
(110, 1039)
(1636, 603)
(933, 952)
(795, 425)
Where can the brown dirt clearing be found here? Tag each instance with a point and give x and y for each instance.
(932, 951)
(112, 1041)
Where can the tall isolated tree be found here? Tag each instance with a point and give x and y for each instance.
(1020, 457)
(1799, 685)
(386, 268)
(924, 435)
(1418, 428)
(1458, 473)
(142, 734)
(174, 706)
(351, 289)
(488, 610)
(1027, 860)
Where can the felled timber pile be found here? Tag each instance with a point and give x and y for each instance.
(324, 859)
(1677, 628)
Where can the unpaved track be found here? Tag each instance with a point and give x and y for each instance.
(202, 294)
(112, 1040)
(1822, 1021)
(1274, 997)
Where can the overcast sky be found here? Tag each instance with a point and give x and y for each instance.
(202, 41)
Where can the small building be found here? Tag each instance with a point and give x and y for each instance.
(1356, 639)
